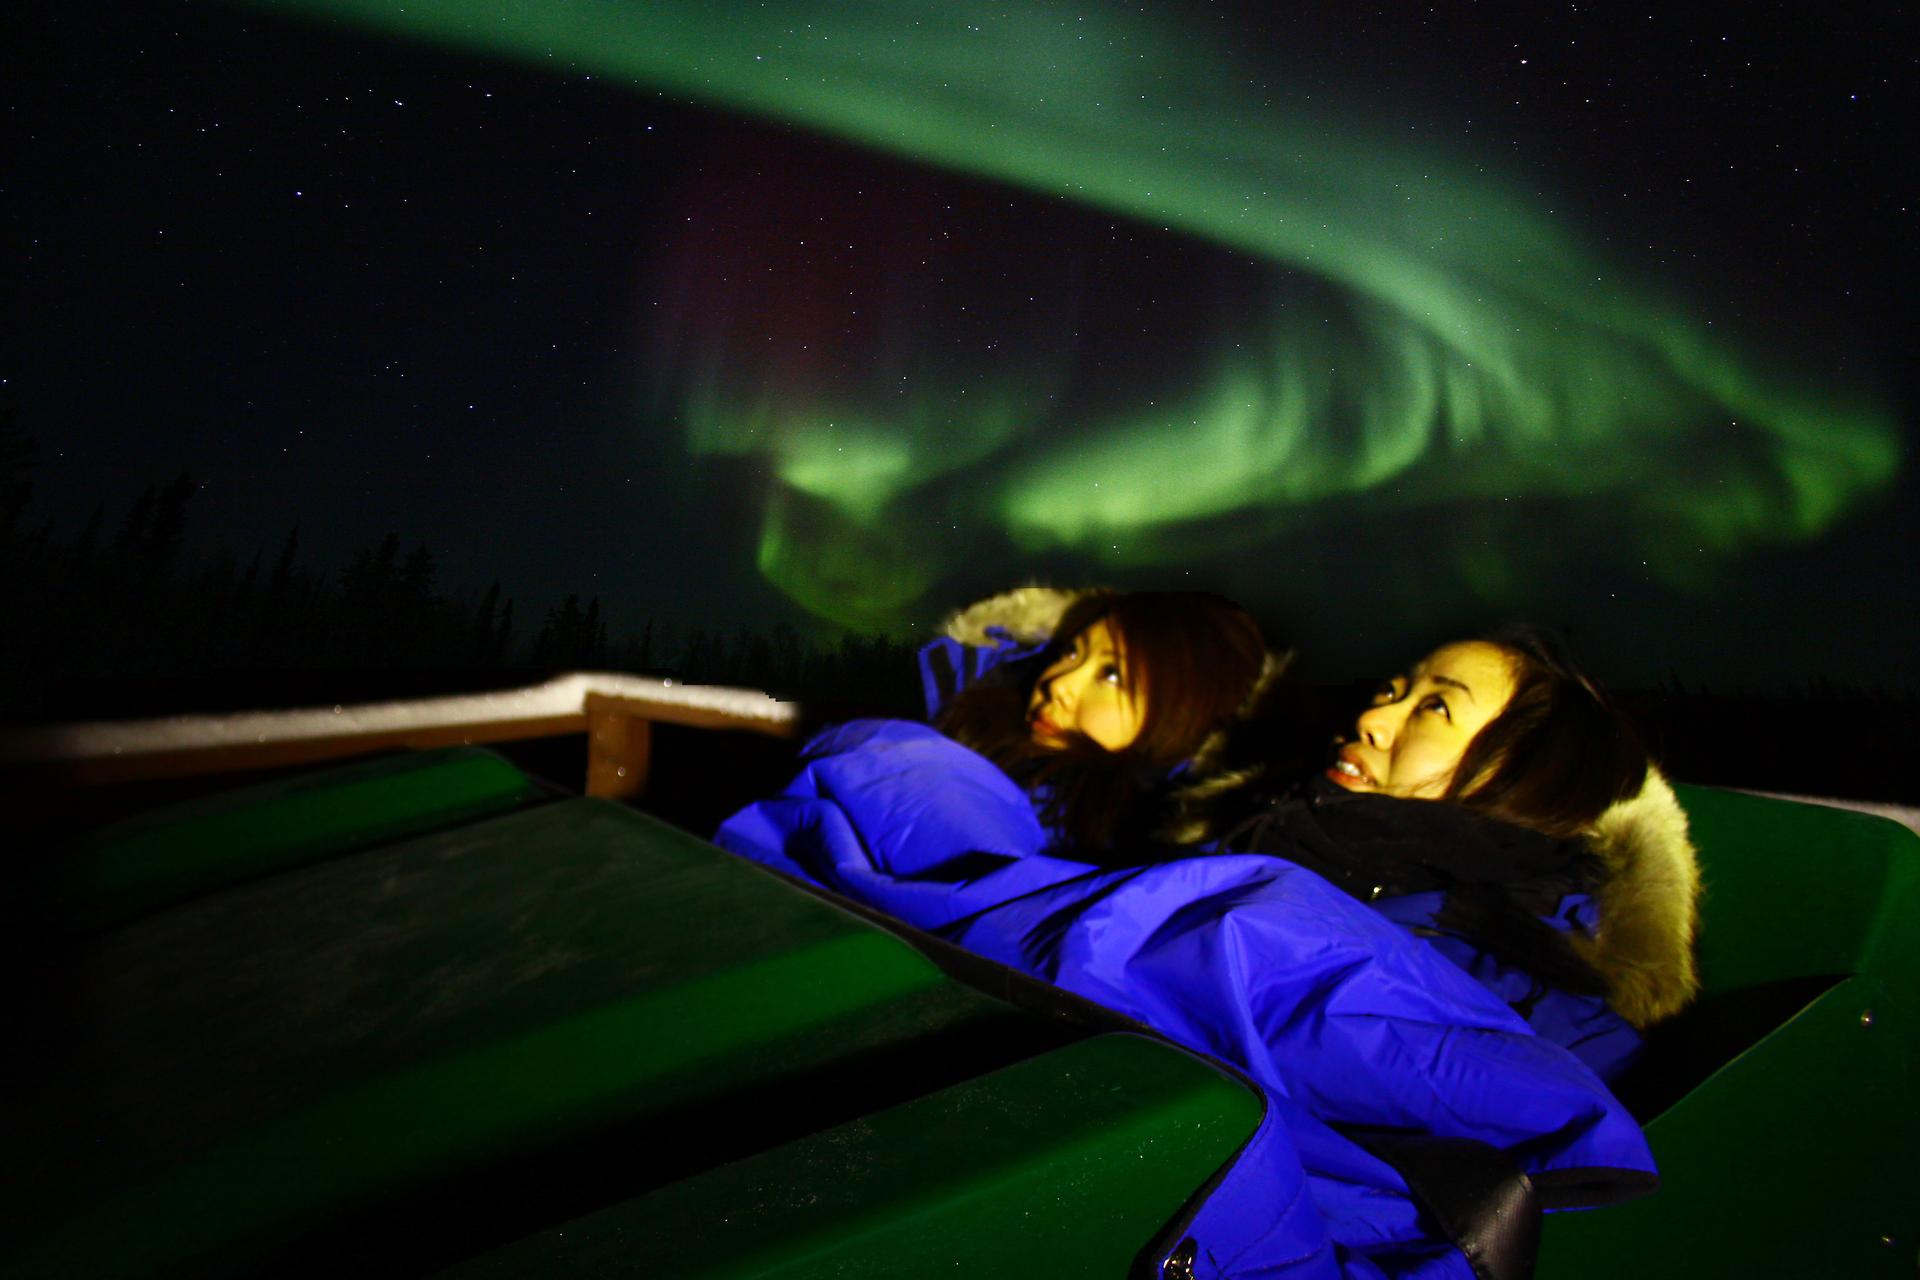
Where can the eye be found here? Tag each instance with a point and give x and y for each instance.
(1388, 691)
(1435, 703)
(1111, 674)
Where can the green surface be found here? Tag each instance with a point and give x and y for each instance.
(401, 1057)
(414, 1052)
(1067, 1165)
(171, 854)
(1796, 889)
(648, 1055)
(1797, 1157)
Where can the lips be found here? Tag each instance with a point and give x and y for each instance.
(1043, 726)
(1349, 772)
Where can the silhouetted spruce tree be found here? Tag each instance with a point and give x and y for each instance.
(283, 567)
(414, 635)
(751, 662)
(416, 575)
(168, 526)
(369, 589)
(634, 652)
(571, 637)
(480, 633)
(243, 594)
(660, 644)
(503, 636)
(549, 645)
(593, 636)
(131, 537)
(705, 657)
(789, 654)
(86, 546)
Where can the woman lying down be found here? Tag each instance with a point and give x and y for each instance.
(1451, 934)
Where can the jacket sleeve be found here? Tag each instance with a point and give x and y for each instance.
(990, 634)
(893, 814)
(948, 666)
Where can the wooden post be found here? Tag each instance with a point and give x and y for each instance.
(619, 744)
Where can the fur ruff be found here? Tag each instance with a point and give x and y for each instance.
(1649, 906)
(1028, 614)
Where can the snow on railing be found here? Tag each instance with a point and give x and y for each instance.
(615, 709)
(1906, 815)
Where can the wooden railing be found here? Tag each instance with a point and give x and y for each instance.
(616, 712)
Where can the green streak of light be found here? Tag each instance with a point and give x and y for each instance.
(1497, 354)
(854, 457)
(862, 578)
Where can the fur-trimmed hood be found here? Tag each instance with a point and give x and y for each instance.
(1031, 615)
(1649, 905)
(1028, 614)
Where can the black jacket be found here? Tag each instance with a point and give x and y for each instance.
(1498, 879)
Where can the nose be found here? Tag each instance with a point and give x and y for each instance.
(1067, 680)
(1377, 725)
(1061, 689)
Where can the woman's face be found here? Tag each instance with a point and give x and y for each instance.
(1086, 692)
(1411, 740)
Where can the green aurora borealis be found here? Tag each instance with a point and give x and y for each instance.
(1406, 336)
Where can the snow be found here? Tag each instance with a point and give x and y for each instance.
(1906, 815)
(561, 696)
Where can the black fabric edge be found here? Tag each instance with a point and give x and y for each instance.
(1593, 1187)
(1478, 1196)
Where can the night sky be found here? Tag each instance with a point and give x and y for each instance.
(1389, 322)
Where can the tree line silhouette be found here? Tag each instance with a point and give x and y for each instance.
(111, 621)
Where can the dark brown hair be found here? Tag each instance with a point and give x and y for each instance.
(1190, 656)
(1559, 753)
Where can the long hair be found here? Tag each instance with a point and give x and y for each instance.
(1192, 659)
(1560, 752)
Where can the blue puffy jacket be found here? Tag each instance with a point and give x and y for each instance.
(1346, 1021)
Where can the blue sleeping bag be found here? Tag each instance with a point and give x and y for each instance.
(1349, 1024)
